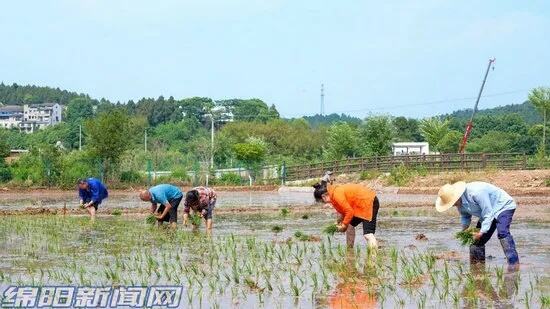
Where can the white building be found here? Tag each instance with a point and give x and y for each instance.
(11, 116)
(410, 148)
(39, 116)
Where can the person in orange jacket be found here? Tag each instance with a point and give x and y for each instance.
(356, 203)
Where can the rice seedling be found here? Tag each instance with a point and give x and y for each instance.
(116, 212)
(302, 236)
(277, 229)
(305, 217)
(285, 212)
(330, 229)
(466, 237)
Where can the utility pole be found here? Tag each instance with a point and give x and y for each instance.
(470, 123)
(145, 140)
(80, 137)
(322, 99)
(211, 139)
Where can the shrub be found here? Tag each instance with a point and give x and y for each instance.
(5, 172)
(229, 179)
(369, 174)
(75, 165)
(421, 170)
(180, 174)
(29, 170)
(400, 175)
(131, 177)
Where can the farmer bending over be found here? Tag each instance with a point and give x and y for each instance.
(355, 203)
(494, 208)
(92, 192)
(202, 201)
(169, 198)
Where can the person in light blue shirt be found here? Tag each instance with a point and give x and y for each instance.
(493, 206)
(165, 199)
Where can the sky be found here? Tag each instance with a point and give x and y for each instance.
(405, 58)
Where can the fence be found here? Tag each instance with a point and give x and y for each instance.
(436, 163)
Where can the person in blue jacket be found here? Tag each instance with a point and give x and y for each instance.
(92, 192)
(493, 206)
(165, 199)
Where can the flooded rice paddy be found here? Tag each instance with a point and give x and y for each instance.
(245, 264)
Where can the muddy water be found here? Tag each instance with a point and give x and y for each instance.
(9, 201)
(397, 227)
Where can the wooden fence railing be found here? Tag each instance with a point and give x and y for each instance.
(436, 162)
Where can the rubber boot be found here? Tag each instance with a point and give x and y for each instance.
(477, 254)
(509, 247)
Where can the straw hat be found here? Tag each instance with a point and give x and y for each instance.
(448, 195)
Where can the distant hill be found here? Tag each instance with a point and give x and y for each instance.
(15, 94)
(525, 110)
(318, 120)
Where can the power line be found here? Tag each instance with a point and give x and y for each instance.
(420, 103)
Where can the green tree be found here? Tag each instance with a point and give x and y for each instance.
(375, 136)
(78, 110)
(540, 98)
(493, 142)
(433, 130)
(406, 130)
(251, 153)
(342, 141)
(108, 137)
(450, 142)
(5, 173)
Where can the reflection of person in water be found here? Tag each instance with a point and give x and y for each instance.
(483, 294)
(351, 294)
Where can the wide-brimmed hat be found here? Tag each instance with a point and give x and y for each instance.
(448, 195)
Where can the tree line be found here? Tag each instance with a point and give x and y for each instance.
(248, 134)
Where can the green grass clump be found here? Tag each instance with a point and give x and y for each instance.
(305, 217)
(330, 229)
(150, 219)
(466, 237)
(401, 175)
(195, 219)
(547, 182)
(369, 174)
(277, 229)
(285, 212)
(116, 212)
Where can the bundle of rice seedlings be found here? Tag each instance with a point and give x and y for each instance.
(151, 219)
(195, 219)
(277, 229)
(466, 237)
(116, 212)
(285, 212)
(305, 217)
(330, 229)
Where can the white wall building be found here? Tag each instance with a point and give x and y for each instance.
(10, 116)
(39, 116)
(410, 148)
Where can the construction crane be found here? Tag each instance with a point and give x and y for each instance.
(470, 123)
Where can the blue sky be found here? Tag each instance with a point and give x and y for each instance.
(412, 58)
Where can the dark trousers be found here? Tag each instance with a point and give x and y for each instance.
(369, 227)
(173, 212)
(501, 224)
